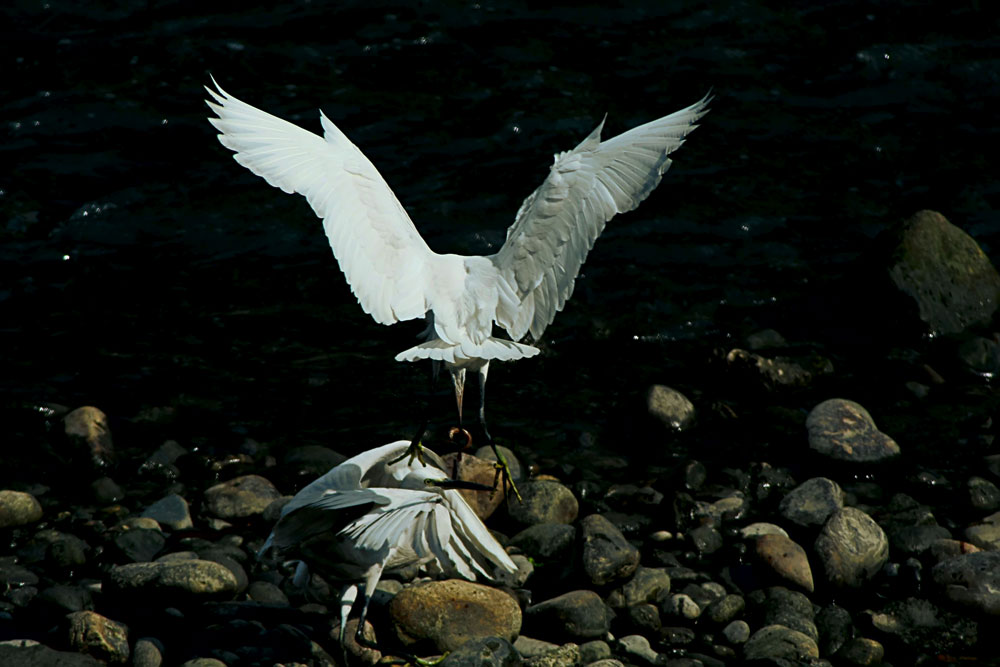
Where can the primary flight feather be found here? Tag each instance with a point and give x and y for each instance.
(396, 276)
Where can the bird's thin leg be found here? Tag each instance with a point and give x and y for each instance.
(347, 598)
(503, 470)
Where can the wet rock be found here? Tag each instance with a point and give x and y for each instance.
(724, 609)
(593, 651)
(533, 648)
(140, 546)
(670, 407)
(88, 426)
(773, 372)
(607, 555)
(862, 651)
(98, 636)
(170, 511)
(944, 273)
(681, 605)
(919, 622)
(18, 509)
(449, 613)
(843, 430)
(13, 576)
(646, 585)
(779, 606)
(676, 636)
(607, 662)
(487, 652)
(567, 655)
(525, 568)
(222, 558)
(161, 464)
(812, 502)
(942, 550)
(643, 618)
(62, 599)
(30, 654)
(546, 541)
(544, 502)
(762, 528)
(785, 559)
(981, 355)
(737, 632)
(203, 662)
(986, 534)
(147, 653)
(574, 616)
(706, 539)
(915, 540)
(983, 494)
(63, 551)
(480, 471)
(266, 592)
(852, 548)
(972, 579)
(835, 628)
(779, 642)
(107, 491)
(172, 580)
(240, 497)
(638, 648)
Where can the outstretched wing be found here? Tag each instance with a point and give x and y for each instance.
(375, 242)
(558, 223)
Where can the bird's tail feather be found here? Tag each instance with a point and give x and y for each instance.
(489, 349)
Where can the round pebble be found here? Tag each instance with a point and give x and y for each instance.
(852, 548)
(18, 508)
(843, 430)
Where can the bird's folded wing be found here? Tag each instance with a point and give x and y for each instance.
(375, 242)
(558, 223)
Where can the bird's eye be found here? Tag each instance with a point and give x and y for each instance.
(428, 482)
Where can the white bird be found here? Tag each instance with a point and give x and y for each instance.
(382, 510)
(396, 276)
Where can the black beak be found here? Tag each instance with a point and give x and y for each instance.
(460, 484)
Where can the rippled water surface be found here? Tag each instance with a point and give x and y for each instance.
(141, 267)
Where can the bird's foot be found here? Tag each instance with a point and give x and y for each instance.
(414, 451)
(503, 477)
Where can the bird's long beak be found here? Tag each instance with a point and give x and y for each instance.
(461, 484)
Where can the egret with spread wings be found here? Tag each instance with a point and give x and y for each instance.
(396, 276)
(382, 510)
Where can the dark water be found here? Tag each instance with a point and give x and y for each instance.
(141, 267)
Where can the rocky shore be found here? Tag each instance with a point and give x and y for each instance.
(838, 549)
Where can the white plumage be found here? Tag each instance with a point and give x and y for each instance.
(396, 276)
(383, 510)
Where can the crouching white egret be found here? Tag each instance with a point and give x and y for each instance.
(396, 276)
(379, 511)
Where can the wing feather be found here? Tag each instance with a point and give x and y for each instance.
(557, 224)
(375, 243)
